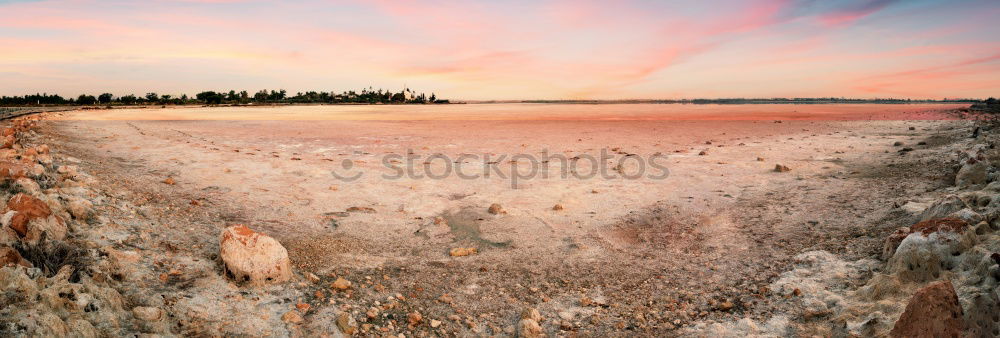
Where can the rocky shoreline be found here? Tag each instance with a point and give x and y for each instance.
(935, 278)
(82, 260)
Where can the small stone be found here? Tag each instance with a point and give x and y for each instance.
(435, 323)
(528, 328)
(897, 144)
(760, 159)
(725, 306)
(414, 318)
(312, 277)
(28, 185)
(80, 208)
(346, 323)
(291, 317)
(341, 284)
(557, 207)
(496, 209)
(148, 314)
(460, 252)
(703, 153)
(11, 257)
(531, 313)
(304, 307)
(366, 210)
(170, 181)
(781, 168)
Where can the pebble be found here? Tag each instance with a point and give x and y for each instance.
(414, 318)
(341, 284)
(496, 209)
(291, 317)
(460, 252)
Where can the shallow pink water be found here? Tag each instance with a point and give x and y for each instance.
(524, 111)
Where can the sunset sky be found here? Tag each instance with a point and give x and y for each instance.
(506, 49)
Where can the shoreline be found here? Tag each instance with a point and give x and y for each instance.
(164, 236)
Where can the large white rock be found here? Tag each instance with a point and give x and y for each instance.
(253, 257)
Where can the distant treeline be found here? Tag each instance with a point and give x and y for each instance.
(366, 96)
(801, 100)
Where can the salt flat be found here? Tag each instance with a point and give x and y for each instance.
(722, 224)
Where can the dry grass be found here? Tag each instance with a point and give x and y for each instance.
(50, 256)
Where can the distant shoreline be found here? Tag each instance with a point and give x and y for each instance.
(581, 102)
(734, 101)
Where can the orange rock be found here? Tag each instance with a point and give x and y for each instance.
(30, 206)
(10, 257)
(19, 222)
(341, 284)
(8, 141)
(8, 154)
(414, 318)
(934, 311)
(13, 170)
(496, 209)
(948, 224)
(170, 181)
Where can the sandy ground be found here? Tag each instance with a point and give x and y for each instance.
(623, 255)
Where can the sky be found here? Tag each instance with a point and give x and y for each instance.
(506, 50)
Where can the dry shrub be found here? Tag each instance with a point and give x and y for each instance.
(50, 256)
